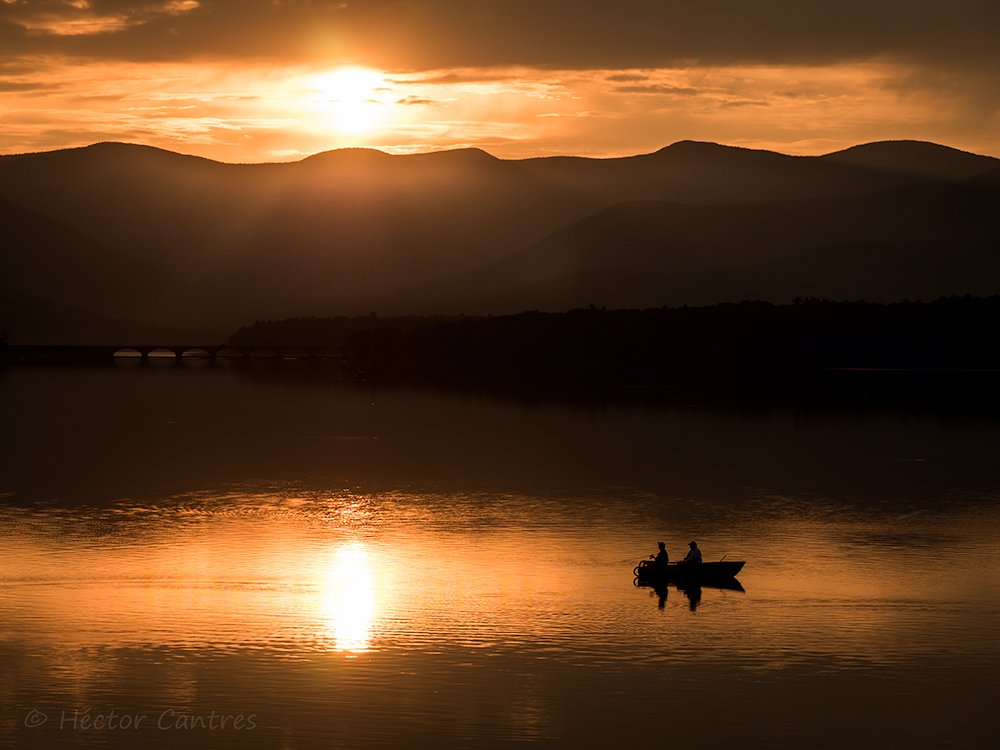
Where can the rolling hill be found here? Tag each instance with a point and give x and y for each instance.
(130, 231)
(928, 161)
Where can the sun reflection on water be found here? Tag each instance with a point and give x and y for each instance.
(349, 598)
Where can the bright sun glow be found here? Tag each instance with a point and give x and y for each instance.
(349, 598)
(354, 100)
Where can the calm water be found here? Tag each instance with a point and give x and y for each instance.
(258, 558)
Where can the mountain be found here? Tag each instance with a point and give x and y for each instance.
(920, 159)
(140, 233)
(50, 259)
(914, 241)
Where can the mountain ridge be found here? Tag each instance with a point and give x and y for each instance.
(920, 158)
(685, 144)
(191, 242)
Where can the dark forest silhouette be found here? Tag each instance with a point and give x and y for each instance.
(636, 347)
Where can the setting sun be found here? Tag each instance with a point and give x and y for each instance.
(354, 100)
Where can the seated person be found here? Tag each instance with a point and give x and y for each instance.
(660, 561)
(694, 554)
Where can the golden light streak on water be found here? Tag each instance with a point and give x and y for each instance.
(348, 598)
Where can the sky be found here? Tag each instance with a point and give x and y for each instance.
(276, 80)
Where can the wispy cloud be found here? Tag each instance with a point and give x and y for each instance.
(410, 101)
(658, 88)
(69, 18)
(627, 77)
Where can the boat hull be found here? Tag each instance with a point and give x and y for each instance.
(647, 571)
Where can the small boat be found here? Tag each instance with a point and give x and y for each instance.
(647, 571)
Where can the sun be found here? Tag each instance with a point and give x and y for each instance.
(355, 100)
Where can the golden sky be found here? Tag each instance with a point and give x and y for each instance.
(274, 80)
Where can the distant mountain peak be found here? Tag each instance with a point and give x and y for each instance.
(916, 158)
(902, 145)
(708, 149)
(469, 154)
(120, 148)
(691, 145)
(372, 154)
(352, 154)
(111, 152)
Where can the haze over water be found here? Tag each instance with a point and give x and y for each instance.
(358, 566)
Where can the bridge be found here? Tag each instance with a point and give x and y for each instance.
(95, 353)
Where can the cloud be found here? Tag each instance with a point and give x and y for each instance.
(585, 114)
(472, 75)
(658, 88)
(555, 34)
(627, 77)
(27, 86)
(742, 103)
(415, 100)
(82, 18)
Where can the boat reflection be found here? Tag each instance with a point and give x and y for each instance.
(691, 590)
(693, 594)
(349, 599)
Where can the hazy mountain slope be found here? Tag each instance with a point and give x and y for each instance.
(324, 234)
(358, 208)
(914, 241)
(47, 259)
(189, 241)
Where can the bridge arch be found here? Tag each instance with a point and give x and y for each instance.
(161, 352)
(196, 352)
(129, 352)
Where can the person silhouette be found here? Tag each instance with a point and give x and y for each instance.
(694, 554)
(661, 559)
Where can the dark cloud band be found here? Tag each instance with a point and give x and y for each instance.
(583, 34)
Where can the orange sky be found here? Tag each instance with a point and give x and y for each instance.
(260, 80)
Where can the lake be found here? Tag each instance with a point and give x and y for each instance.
(270, 557)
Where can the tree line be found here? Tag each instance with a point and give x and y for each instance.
(718, 342)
